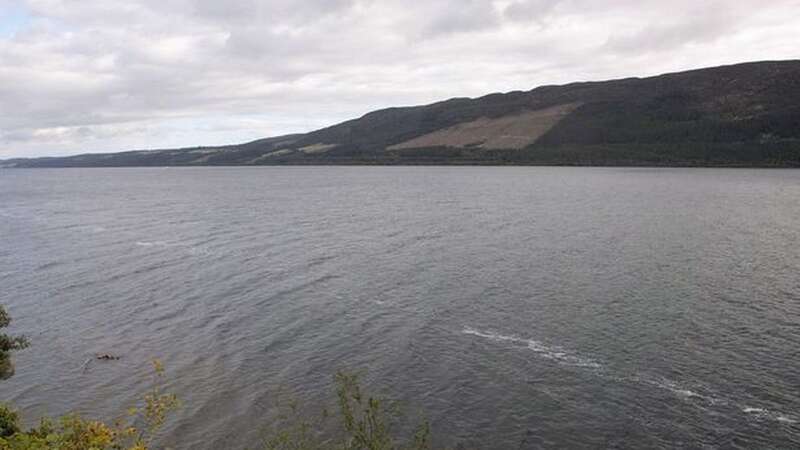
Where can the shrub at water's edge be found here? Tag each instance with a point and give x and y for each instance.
(73, 432)
(8, 344)
(365, 420)
(365, 423)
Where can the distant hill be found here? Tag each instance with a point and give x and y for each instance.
(738, 115)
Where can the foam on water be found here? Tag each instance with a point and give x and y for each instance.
(554, 353)
(152, 244)
(763, 413)
(749, 410)
(680, 390)
(190, 249)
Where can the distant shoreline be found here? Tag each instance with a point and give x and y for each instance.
(743, 115)
(687, 165)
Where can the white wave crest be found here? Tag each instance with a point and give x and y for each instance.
(763, 413)
(680, 390)
(675, 388)
(554, 353)
(152, 244)
(750, 410)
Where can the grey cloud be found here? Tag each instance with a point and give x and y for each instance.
(525, 10)
(152, 73)
(656, 37)
(16, 136)
(269, 13)
(71, 134)
(460, 16)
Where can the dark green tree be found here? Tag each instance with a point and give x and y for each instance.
(8, 344)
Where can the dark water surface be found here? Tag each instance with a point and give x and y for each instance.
(517, 307)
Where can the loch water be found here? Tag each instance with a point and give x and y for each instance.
(514, 307)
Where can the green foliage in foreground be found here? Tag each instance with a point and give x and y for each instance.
(8, 344)
(72, 432)
(365, 424)
(364, 421)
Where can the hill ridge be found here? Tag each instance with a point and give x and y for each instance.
(745, 114)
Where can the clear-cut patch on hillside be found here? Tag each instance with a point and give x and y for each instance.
(317, 148)
(507, 132)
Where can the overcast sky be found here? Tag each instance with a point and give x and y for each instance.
(107, 75)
